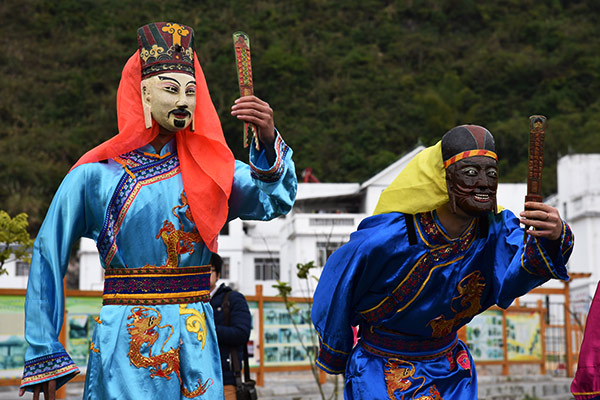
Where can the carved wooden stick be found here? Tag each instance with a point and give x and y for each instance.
(241, 42)
(537, 131)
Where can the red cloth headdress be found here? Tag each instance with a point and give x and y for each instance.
(207, 164)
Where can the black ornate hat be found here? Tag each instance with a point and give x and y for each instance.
(166, 47)
(467, 141)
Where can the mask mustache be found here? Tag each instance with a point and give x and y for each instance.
(179, 111)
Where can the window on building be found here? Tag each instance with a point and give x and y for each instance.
(331, 221)
(22, 268)
(324, 250)
(225, 268)
(266, 269)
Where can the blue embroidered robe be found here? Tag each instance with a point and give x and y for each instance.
(410, 300)
(129, 206)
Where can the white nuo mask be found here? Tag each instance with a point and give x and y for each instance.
(170, 99)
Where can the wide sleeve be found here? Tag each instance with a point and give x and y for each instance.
(237, 332)
(65, 222)
(346, 286)
(264, 190)
(519, 268)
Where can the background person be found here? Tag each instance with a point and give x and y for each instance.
(232, 335)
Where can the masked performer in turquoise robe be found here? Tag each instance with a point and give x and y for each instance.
(435, 254)
(154, 198)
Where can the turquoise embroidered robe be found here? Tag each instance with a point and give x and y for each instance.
(130, 206)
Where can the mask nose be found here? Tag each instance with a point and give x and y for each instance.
(182, 101)
(483, 181)
(488, 182)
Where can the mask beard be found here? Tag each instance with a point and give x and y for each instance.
(451, 196)
(463, 197)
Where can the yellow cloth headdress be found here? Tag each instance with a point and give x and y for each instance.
(420, 187)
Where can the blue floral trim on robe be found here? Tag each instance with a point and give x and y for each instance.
(275, 172)
(330, 360)
(49, 367)
(141, 170)
(542, 265)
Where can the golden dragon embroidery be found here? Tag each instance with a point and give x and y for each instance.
(400, 376)
(195, 323)
(178, 241)
(143, 332)
(470, 290)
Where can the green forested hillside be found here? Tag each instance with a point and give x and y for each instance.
(353, 83)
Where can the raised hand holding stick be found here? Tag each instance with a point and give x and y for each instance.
(543, 218)
(241, 42)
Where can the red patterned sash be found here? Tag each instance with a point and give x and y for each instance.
(153, 286)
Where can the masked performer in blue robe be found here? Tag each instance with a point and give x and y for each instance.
(154, 198)
(435, 254)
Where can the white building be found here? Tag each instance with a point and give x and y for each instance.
(325, 214)
(578, 200)
(17, 274)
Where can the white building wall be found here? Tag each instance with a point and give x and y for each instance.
(577, 176)
(374, 186)
(262, 240)
(578, 202)
(325, 190)
(246, 241)
(298, 251)
(372, 194)
(91, 273)
(303, 233)
(578, 198)
(12, 280)
(586, 250)
(511, 196)
(230, 246)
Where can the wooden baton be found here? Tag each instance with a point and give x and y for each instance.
(537, 135)
(241, 43)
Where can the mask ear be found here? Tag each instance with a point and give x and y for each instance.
(146, 106)
(451, 196)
